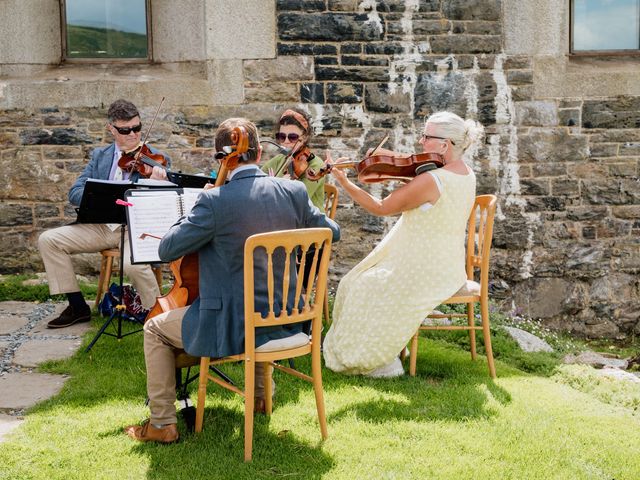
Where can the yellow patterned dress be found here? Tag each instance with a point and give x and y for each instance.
(381, 302)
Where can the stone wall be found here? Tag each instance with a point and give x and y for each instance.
(561, 149)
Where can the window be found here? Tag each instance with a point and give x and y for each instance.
(605, 26)
(106, 29)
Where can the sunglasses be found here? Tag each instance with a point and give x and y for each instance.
(426, 138)
(128, 130)
(281, 137)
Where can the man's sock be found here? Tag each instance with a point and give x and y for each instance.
(76, 300)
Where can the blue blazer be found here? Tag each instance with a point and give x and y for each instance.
(217, 227)
(99, 167)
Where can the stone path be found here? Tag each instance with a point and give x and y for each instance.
(25, 342)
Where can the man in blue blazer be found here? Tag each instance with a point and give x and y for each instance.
(57, 245)
(217, 228)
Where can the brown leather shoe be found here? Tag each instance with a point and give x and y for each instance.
(69, 317)
(148, 433)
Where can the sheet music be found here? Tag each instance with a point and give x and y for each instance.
(189, 197)
(151, 213)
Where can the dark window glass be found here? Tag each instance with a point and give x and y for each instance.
(106, 29)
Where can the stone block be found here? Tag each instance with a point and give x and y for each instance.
(478, 27)
(342, 5)
(569, 117)
(603, 191)
(337, 27)
(565, 187)
(311, 49)
(358, 60)
(351, 48)
(281, 69)
(543, 297)
(539, 114)
(527, 341)
(55, 136)
(471, 9)
(434, 92)
(621, 112)
(23, 390)
(362, 74)
(30, 32)
(380, 98)
(626, 169)
(302, 5)
(274, 92)
(312, 93)
(12, 214)
(534, 187)
(326, 60)
(547, 35)
(344, 92)
(519, 77)
(552, 144)
(384, 48)
(36, 351)
(476, 44)
(225, 41)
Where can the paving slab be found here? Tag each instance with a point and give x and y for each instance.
(4, 344)
(7, 424)
(12, 323)
(18, 308)
(24, 390)
(35, 351)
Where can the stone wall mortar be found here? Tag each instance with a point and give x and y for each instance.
(565, 169)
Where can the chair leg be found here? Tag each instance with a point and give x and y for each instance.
(249, 392)
(105, 276)
(268, 390)
(202, 392)
(316, 375)
(413, 355)
(484, 310)
(472, 332)
(325, 308)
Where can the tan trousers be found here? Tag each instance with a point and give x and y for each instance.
(162, 335)
(58, 244)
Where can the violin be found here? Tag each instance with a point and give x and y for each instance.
(186, 270)
(300, 160)
(383, 167)
(142, 160)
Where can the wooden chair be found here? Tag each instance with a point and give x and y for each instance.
(106, 270)
(479, 236)
(330, 206)
(280, 284)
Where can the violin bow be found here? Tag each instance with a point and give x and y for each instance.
(384, 140)
(288, 160)
(146, 135)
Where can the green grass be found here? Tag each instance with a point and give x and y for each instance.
(538, 420)
(100, 42)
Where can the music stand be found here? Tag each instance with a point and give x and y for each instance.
(98, 205)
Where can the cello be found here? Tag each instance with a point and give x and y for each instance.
(185, 288)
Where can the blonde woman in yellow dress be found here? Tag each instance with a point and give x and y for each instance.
(381, 302)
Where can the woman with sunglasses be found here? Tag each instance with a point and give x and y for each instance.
(381, 302)
(294, 132)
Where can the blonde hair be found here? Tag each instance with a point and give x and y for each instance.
(462, 133)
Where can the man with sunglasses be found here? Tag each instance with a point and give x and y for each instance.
(58, 244)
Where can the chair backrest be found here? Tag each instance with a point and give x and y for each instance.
(270, 258)
(330, 200)
(479, 237)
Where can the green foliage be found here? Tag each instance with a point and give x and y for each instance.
(12, 287)
(91, 42)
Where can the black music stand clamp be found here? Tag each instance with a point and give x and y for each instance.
(119, 310)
